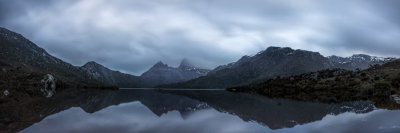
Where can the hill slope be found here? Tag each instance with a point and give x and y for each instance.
(333, 85)
(105, 75)
(17, 50)
(23, 64)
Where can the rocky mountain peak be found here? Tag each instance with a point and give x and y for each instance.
(159, 64)
(186, 64)
(362, 57)
(287, 51)
(92, 64)
(274, 49)
(244, 58)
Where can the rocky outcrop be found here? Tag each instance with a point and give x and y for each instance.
(49, 85)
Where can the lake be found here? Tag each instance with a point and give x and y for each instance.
(195, 111)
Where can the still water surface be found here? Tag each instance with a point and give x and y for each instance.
(210, 111)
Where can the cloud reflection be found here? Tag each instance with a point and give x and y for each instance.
(134, 117)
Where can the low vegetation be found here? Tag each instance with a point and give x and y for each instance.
(21, 82)
(376, 83)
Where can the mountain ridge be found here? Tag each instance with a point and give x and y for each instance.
(161, 73)
(269, 63)
(108, 76)
(16, 50)
(272, 62)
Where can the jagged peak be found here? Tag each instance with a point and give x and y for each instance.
(244, 59)
(334, 56)
(159, 64)
(93, 64)
(361, 55)
(269, 49)
(354, 55)
(185, 63)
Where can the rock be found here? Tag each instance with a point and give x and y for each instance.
(395, 98)
(49, 85)
(314, 76)
(6, 93)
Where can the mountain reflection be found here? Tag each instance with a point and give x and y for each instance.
(193, 108)
(275, 113)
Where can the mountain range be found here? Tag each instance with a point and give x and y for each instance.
(158, 74)
(276, 62)
(17, 51)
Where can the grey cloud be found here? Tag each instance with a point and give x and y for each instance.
(131, 35)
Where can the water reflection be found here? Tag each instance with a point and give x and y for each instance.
(135, 117)
(196, 111)
(275, 113)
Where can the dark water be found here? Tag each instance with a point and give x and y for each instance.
(203, 111)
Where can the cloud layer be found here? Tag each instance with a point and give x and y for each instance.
(132, 35)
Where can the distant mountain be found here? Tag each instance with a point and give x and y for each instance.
(360, 61)
(158, 74)
(105, 75)
(272, 62)
(161, 73)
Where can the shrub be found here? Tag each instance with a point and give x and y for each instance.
(396, 81)
(363, 74)
(382, 89)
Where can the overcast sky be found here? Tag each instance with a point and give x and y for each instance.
(132, 35)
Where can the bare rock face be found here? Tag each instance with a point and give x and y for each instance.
(49, 88)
